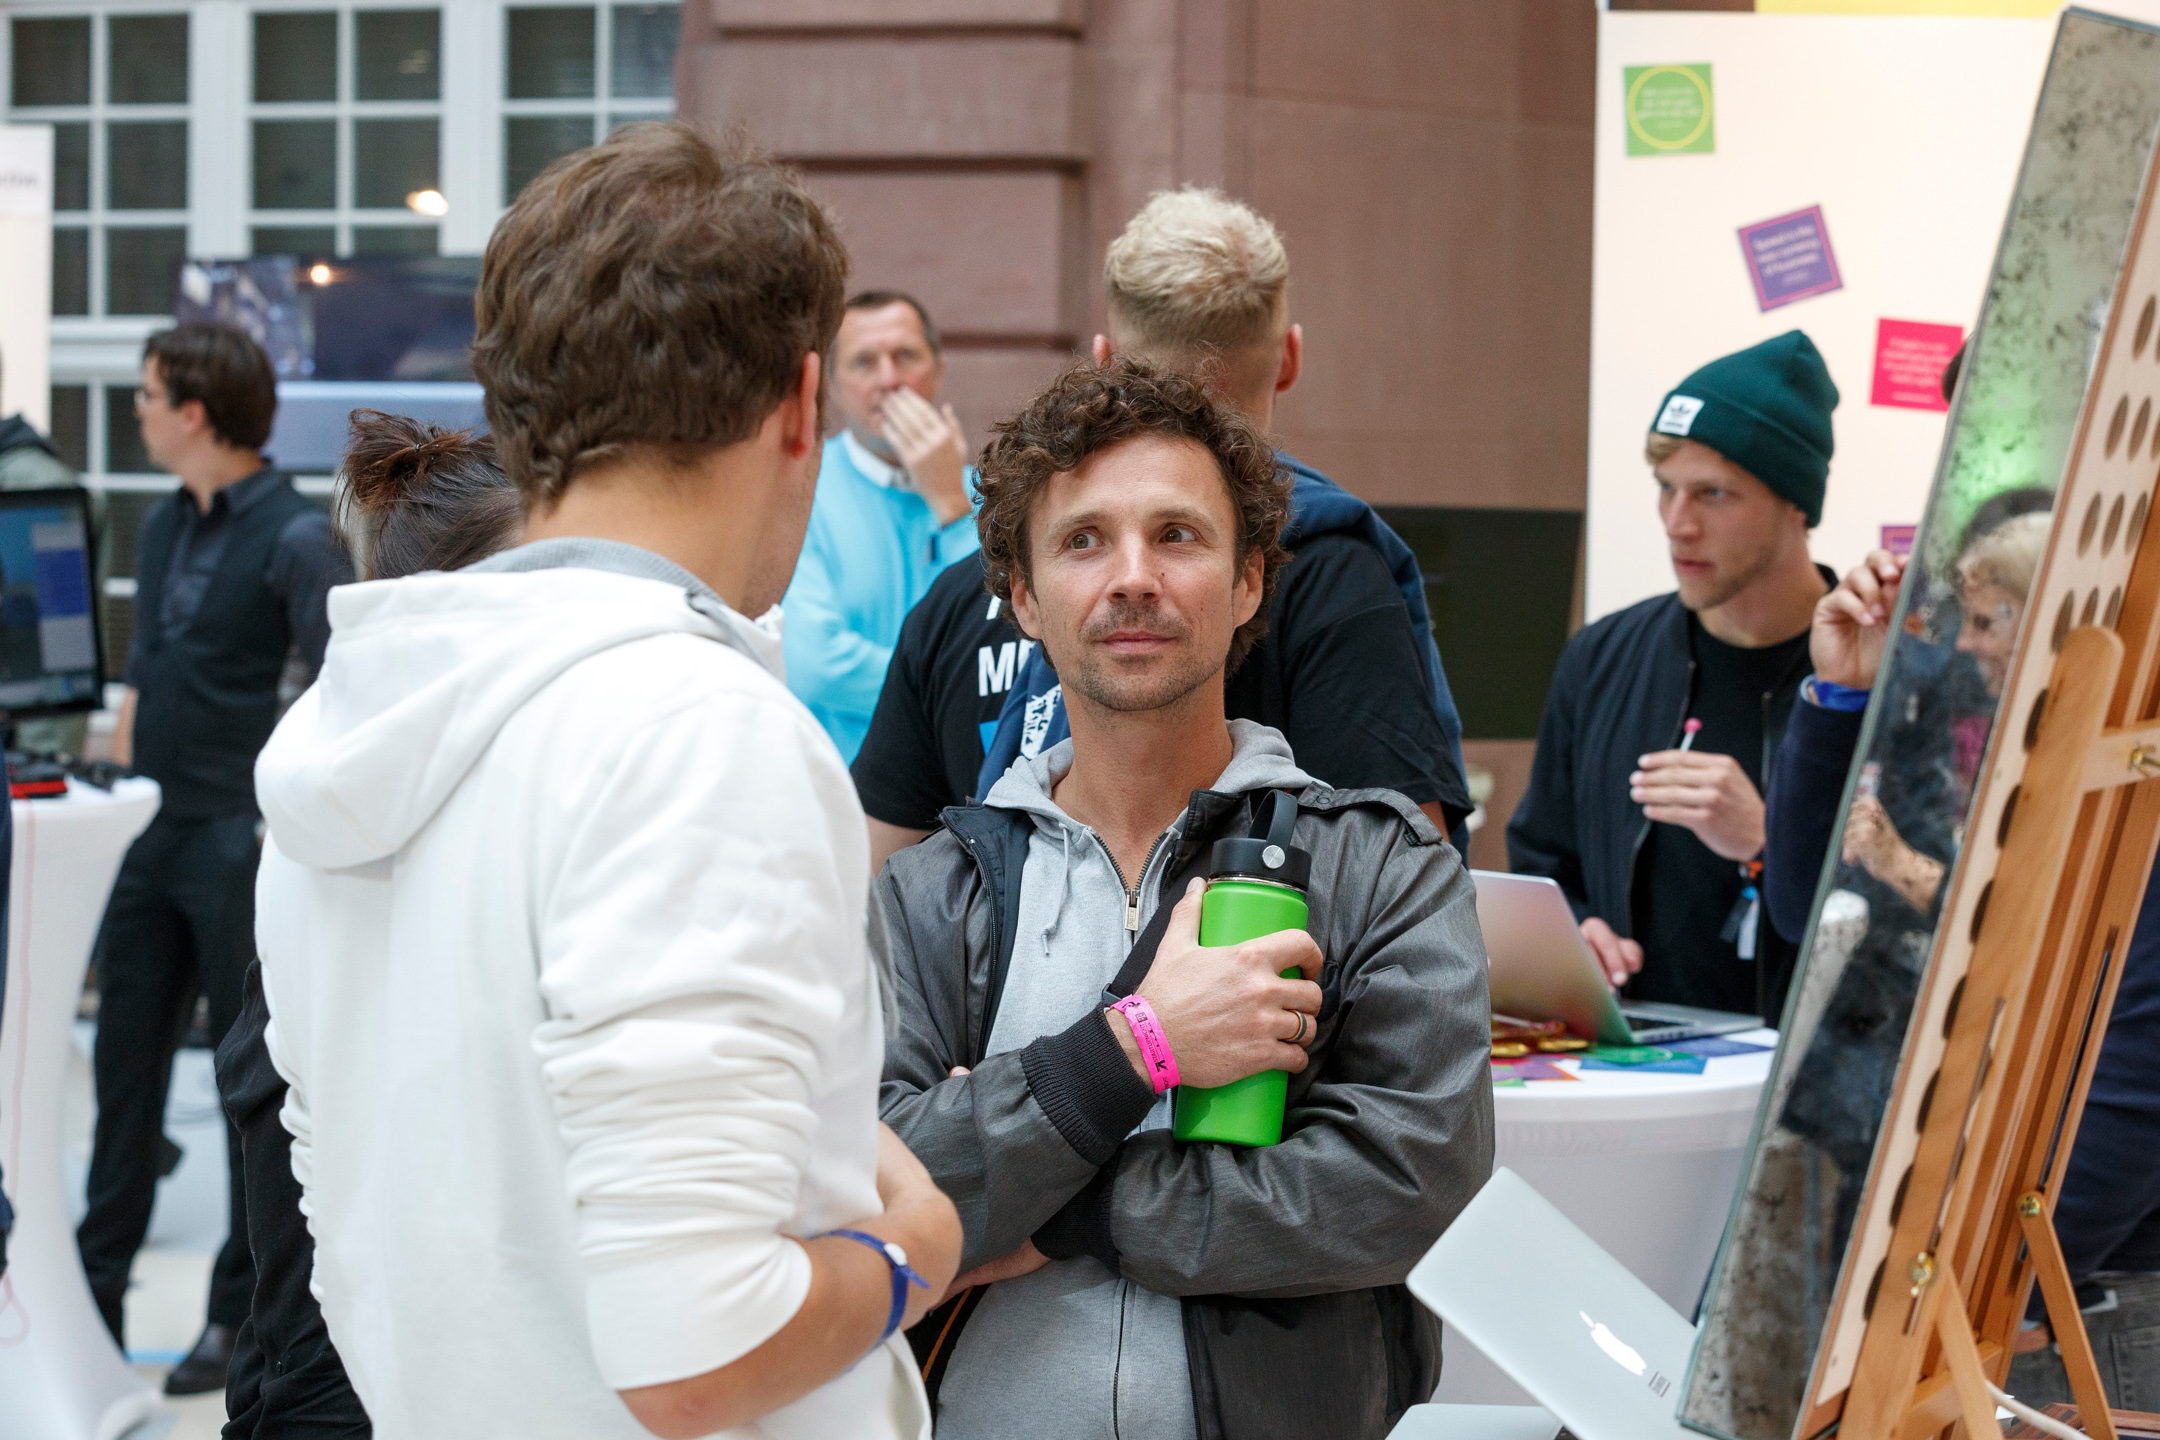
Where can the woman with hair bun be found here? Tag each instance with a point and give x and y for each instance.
(433, 499)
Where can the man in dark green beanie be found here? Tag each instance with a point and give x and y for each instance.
(1645, 800)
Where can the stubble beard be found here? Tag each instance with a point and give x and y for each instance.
(1720, 588)
(1094, 677)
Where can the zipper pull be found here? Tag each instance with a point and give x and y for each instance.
(1132, 910)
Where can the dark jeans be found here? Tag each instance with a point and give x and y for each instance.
(2108, 1218)
(2122, 1318)
(286, 1381)
(181, 922)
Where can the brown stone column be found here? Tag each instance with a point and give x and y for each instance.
(1429, 163)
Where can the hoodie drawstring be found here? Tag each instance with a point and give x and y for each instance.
(1057, 911)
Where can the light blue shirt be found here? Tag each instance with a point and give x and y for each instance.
(873, 548)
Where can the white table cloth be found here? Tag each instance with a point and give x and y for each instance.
(1646, 1164)
(61, 1376)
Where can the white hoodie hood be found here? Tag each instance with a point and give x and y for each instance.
(420, 675)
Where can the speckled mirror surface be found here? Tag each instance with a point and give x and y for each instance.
(1926, 737)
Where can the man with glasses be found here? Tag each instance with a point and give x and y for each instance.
(233, 572)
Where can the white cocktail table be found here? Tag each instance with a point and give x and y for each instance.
(61, 1376)
(1645, 1164)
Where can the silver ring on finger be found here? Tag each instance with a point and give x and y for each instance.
(1299, 1038)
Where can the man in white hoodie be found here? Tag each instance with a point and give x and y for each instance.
(562, 908)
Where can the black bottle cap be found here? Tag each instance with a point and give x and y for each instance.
(1266, 853)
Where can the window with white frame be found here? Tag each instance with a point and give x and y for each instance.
(114, 87)
(211, 129)
(573, 73)
(345, 132)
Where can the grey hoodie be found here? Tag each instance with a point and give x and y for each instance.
(1072, 1340)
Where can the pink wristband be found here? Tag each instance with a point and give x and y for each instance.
(1154, 1045)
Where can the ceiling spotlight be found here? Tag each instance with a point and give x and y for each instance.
(427, 202)
(319, 273)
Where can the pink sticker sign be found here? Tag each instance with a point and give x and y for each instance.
(1910, 356)
(1897, 539)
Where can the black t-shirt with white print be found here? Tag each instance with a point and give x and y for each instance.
(957, 656)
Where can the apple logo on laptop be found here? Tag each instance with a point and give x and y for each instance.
(1626, 1355)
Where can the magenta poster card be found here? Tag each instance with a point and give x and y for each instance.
(1910, 357)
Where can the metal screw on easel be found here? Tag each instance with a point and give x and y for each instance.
(2029, 1205)
(2145, 759)
(1922, 1272)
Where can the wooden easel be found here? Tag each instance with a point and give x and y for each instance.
(1957, 1218)
(1943, 1345)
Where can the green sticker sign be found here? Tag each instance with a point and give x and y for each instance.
(1669, 110)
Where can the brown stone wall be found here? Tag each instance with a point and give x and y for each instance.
(1429, 163)
(952, 140)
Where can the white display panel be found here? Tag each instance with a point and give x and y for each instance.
(26, 201)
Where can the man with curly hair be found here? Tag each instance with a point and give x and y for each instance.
(1116, 1279)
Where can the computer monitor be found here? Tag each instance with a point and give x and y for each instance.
(52, 651)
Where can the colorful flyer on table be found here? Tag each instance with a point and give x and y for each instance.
(1669, 110)
(1789, 258)
(1910, 357)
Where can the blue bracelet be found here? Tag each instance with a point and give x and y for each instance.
(902, 1274)
(1832, 696)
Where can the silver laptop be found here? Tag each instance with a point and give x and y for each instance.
(1542, 969)
(1590, 1342)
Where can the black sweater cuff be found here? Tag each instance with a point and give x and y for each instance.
(1086, 1086)
(1082, 1225)
(1825, 732)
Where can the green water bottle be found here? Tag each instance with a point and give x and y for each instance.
(1256, 886)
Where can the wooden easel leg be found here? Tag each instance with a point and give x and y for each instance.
(2064, 1316)
(1975, 1406)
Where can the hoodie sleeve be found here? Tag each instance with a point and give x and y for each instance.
(1013, 1140)
(1800, 813)
(702, 965)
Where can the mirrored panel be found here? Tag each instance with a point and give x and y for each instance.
(1791, 1283)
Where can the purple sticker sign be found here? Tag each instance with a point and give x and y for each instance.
(1789, 258)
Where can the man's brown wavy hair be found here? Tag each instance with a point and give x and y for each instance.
(1090, 408)
(658, 290)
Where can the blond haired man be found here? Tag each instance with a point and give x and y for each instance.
(1347, 670)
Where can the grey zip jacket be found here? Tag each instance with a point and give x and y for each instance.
(1287, 1261)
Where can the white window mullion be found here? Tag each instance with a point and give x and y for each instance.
(348, 85)
(473, 46)
(603, 78)
(219, 82)
(99, 181)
